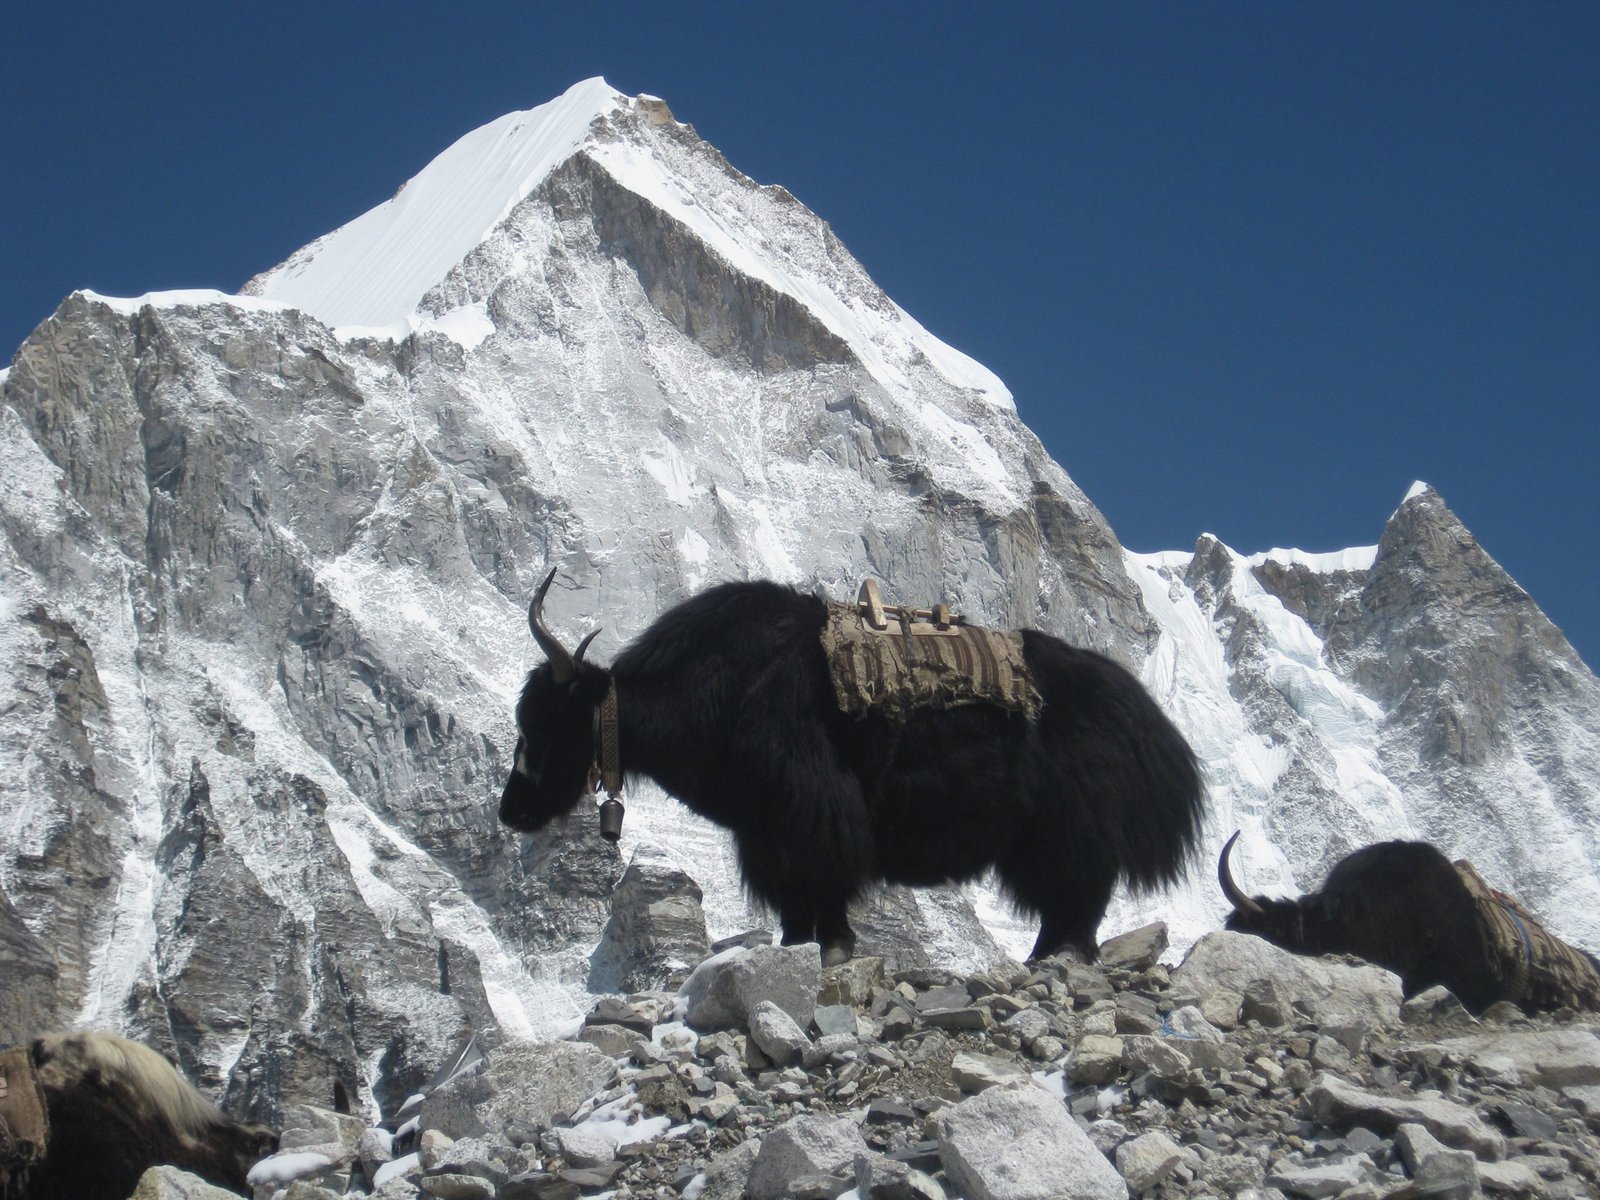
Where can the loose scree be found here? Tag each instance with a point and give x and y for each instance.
(727, 704)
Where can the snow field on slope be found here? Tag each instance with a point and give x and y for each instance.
(1188, 674)
(133, 737)
(1344, 721)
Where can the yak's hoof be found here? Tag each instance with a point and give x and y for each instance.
(835, 954)
(1066, 954)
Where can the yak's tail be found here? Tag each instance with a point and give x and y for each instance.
(1135, 783)
(1175, 793)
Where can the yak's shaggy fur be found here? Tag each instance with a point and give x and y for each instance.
(727, 703)
(118, 1108)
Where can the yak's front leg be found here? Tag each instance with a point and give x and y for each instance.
(823, 922)
(810, 852)
(798, 917)
(834, 934)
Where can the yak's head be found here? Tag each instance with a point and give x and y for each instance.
(1292, 924)
(555, 729)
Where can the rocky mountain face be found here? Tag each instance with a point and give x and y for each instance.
(265, 566)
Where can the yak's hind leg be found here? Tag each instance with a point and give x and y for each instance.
(1069, 898)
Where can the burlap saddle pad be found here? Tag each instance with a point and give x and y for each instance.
(1535, 965)
(24, 1122)
(901, 663)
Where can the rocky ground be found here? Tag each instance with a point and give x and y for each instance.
(1244, 1072)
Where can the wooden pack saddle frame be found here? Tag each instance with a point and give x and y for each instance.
(937, 621)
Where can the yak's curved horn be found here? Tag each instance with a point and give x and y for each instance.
(577, 655)
(562, 665)
(1230, 889)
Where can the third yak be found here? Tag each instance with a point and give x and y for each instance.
(728, 704)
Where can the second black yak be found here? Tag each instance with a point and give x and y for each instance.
(1408, 908)
(726, 702)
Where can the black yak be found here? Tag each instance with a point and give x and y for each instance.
(116, 1108)
(727, 703)
(1408, 908)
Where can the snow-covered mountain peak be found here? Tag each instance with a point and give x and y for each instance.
(434, 255)
(375, 270)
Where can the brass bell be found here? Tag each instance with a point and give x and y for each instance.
(611, 819)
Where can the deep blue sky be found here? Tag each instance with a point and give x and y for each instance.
(1249, 269)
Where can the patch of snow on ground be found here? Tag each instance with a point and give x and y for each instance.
(287, 1167)
(622, 1122)
(396, 1169)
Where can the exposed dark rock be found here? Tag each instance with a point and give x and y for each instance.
(657, 931)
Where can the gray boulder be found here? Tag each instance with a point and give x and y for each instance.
(1554, 1058)
(725, 989)
(1324, 1180)
(879, 1177)
(1016, 1142)
(307, 1125)
(519, 1091)
(729, 1171)
(1341, 1105)
(808, 1145)
(169, 1183)
(1147, 1160)
(777, 1034)
(1136, 950)
(1437, 1169)
(657, 930)
(1329, 991)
